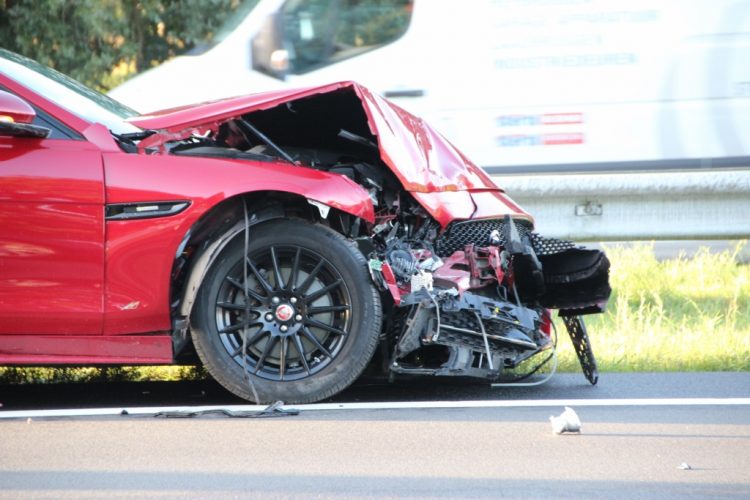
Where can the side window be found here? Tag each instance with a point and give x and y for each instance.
(316, 33)
(59, 131)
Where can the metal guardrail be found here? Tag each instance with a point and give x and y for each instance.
(611, 206)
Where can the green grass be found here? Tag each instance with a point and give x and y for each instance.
(683, 314)
(38, 375)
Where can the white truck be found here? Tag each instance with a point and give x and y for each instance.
(540, 86)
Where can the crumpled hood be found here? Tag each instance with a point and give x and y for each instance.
(422, 159)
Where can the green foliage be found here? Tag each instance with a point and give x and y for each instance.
(684, 314)
(59, 375)
(102, 42)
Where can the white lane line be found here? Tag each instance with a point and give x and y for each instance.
(94, 412)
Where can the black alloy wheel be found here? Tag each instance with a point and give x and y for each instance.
(299, 326)
(297, 318)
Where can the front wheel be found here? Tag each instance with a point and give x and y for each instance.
(296, 318)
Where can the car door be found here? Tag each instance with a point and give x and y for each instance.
(51, 233)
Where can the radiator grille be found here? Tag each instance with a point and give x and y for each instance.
(477, 232)
(548, 246)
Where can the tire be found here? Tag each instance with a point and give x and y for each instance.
(308, 337)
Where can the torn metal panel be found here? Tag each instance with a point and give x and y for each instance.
(421, 158)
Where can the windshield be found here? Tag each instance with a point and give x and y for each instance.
(230, 24)
(77, 98)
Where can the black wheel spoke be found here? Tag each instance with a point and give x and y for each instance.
(251, 341)
(282, 356)
(312, 338)
(252, 293)
(231, 305)
(325, 309)
(256, 337)
(319, 293)
(235, 283)
(233, 328)
(239, 326)
(261, 279)
(295, 270)
(323, 326)
(310, 277)
(302, 354)
(269, 347)
(277, 270)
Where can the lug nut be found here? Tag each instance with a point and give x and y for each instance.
(298, 317)
(283, 328)
(293, 300)
(275, 300)
(269, 317)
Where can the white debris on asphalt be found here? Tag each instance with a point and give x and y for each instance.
(568, 421)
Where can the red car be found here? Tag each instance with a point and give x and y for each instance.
(289, 239)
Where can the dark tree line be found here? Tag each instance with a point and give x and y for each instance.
(102, 42)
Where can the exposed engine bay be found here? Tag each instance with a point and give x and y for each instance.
(469, 298)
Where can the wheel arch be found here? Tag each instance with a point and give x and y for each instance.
(224, 222)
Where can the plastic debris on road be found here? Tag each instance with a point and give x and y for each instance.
(568, 421)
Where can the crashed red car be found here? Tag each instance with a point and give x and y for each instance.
(289, 239)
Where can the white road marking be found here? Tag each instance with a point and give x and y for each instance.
(409, 405)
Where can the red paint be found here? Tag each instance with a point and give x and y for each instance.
(453, 273)
(422, 159)
(51, 237)
(446, 207)
(562, 118)
(82, 350)
(562, 139)
(140, 253)
(14, 109)
(390, 281)
(494, 204)
(496, 263)
(546, 326)
(473, 267)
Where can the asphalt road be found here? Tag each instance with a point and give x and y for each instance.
(207, 392)
(630, 451)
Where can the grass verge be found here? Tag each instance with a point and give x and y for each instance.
(683, 314)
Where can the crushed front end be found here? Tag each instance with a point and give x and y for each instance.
(468, 287)
(475, 298)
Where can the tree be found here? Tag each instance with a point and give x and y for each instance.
(102, 42)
